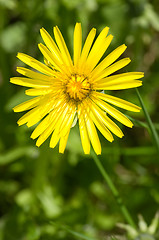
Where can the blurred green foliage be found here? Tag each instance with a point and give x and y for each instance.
(46, 195)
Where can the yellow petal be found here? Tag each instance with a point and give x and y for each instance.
(43, 125)
(86, 48)
(61, 119)
(36, 114)
(29, 115)
(101, 127)
(27, 105)
(83, 132)
(109, 59)
(46, 133)
(38, 91)
(51, 44)
(63, 142)
(54, 139)
(106, 120)
(120, 81)
(62, 46)
(118, 85)
(66, 125)
(92, 132)
(114, 113)
(35, 64)
(29, 82)
(50, 120)
(77, 43)
(50, 57)
(113, 68)
(118, 102)
(42, 112)
(98, 49)
(123, 76)
(32, 74)
(48, 126)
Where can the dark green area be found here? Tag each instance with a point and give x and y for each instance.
(45, 195)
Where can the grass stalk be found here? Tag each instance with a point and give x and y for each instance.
(114, 191)
(149, 122)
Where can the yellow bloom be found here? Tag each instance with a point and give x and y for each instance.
(67, 90)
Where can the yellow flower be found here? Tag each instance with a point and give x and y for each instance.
(67, 90)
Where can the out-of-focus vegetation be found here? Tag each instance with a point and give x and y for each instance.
(47, 195)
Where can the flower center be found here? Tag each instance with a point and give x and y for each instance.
(78, 87)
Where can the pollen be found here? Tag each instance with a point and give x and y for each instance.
(77, 87)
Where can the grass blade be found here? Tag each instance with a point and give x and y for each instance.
(150, 124)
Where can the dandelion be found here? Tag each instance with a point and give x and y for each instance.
(68, 90)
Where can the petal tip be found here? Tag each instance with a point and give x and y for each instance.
(86, 151)
(14, 109)
(32, 136)
(38, 143)
(121, 136)
(19, 55)
(19, 123)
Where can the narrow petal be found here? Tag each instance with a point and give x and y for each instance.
(42, 112)
(83, 132)
(32, 74)
(66, 119)
(120, 81)
(114, 112)
(92, 132)
(54, 139)
(107, 61)
(86, 48)
(29, 82)
(38, 91)
(106, 120)
(62, 46)
(101, 127)
(118, 85)
(77, 43)
(113, 68)
(35, 64)
(27, 105)
(61, 118)
(50, 57)
(45, 129)
(98, 49)
(122, 76)
(43, 125)
(29, 115)
(63, 142)
(46, 133)
(118, 102)
(49, 121)
(37, 113)
(58, 131)
(51, 45)
(66, 125)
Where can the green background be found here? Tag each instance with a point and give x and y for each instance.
(46, 195)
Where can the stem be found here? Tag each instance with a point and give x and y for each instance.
(150, 124)
(114, 191)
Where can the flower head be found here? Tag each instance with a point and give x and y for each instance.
(66, 90)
